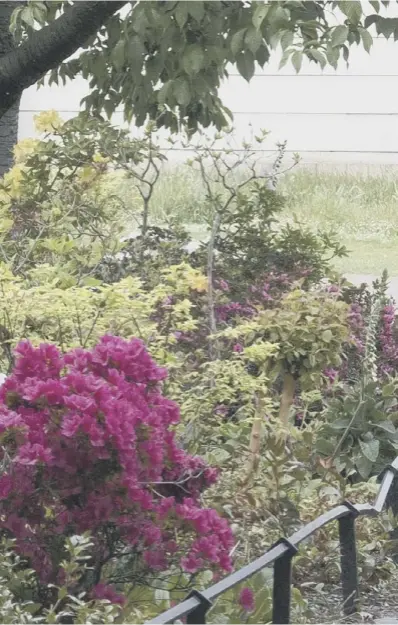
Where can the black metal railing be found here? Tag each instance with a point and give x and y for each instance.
(197, 604)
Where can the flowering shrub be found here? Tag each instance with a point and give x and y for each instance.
(388, 342)
(88, 445)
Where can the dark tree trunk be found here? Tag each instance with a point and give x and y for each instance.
(46, 48)
(9, 121)
(22, 66)
(8, 137)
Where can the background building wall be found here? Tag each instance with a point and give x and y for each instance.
(343, 117)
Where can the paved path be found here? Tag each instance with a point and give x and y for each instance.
(358, 279)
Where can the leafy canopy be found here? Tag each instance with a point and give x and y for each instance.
(166, 60)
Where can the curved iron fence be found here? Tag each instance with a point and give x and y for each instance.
(197, 604)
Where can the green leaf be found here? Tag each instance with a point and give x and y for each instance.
(339, 36)
(332, 55)
(245, 65)
(91, 281)
(297, 60)
(286, 39)
(317, 56)
(386, 426)
(193, 59)
(182, 92)
(237, 41)
(27, 16)
(364, 466)
(259, 15)
(370, 449)
(109, 107)
(253, 39)
(375, 4)
(135, 50)
(161, 595)
(386, 26)
(118, 54)
(181, 13)
(388, 390)
(340, 424)
(62, 593)
(352, 9)
(367, 39)
(284, 59)
(164, 92)
(371, 19)
(262, 55)
(327, 336)
(325, 447)
(197, 10)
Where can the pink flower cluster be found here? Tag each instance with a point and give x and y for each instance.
(88, 445)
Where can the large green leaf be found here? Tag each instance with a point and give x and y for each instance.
(253, 39)
(197, 10)
(182, 92)
(339, 35)
(386, 426)
(245, 65)
(297, 60)
(364, 466)
(237, 41)
(352, 9)
(325, 446)
(260, 14)
(370, 449)
(367, 39)
(193, 59)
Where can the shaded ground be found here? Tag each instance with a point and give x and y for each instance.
(378, 605)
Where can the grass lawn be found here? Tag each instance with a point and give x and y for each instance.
(361, 208)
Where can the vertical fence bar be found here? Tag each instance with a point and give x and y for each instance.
(348, 559)
(198, 615)
(282, 589)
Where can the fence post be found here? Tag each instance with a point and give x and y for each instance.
(348, 559)
(283, 584)
(197, 616)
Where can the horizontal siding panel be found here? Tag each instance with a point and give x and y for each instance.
(308, 133)
(55, 97)
(381, 62)
(270, 94)
(312, 94)
(320, 132)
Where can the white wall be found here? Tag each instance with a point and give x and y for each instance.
(344, 116)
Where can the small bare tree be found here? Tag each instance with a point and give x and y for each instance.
(226, 172)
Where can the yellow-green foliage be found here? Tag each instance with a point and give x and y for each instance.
(78, 316)
(309, 330)
(214, 388)
(57, 204)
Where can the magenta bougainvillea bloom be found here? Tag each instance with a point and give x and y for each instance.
(246, 599)
(88, 445)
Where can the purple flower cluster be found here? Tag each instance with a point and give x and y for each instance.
(357, 326)
(388, 342)
(231, 310)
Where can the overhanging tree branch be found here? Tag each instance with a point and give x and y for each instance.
(45, 49)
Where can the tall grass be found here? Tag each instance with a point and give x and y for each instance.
(361, 208)
(357, 206)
